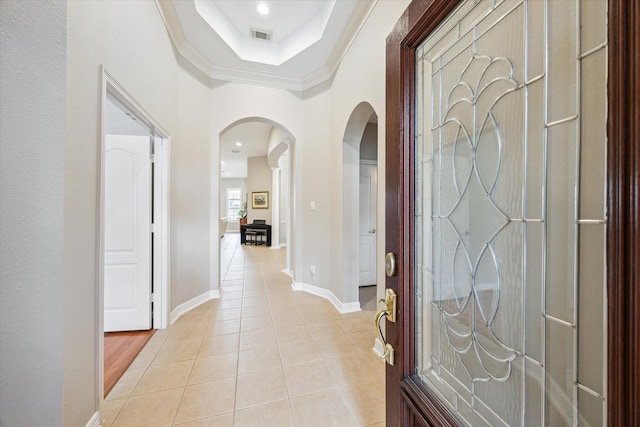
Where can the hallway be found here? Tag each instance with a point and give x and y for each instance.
(262, 355)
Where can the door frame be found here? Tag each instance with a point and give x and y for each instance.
(161, 237)
(406, 400)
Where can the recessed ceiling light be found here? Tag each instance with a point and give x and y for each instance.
(263, 9)
(238, 144)
(222, 163)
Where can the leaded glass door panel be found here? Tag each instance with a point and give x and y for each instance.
(507, 204)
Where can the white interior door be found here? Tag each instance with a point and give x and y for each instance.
(367, 225)
(127, 257)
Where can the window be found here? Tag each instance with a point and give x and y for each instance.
(233, 203)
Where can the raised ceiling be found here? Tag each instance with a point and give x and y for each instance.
(307, 41)
(308, 38)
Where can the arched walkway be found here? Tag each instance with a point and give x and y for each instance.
(280, 143)
(361, 115)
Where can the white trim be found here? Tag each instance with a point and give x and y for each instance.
(378, 348)
(94, 421)
(162, 180)
(369, 162)
(288, 272)
(193, 303)
(343, 308)
(356, 22)
(239, 75)
(131, 103)
(162, 254)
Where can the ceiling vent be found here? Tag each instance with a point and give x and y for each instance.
(260, 34)
(235, 151)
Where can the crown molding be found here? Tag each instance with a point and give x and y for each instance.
(351, 31)
(176, 34)
(237, 75)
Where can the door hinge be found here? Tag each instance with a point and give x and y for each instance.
(153, 228)
(153, 158)
(152, 297)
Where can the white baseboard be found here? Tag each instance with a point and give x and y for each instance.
(95, 420)
(349, 307)
(288, 272)
(378, 348)
(275, 247)
(191, 304)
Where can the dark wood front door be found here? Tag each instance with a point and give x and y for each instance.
(517, 251)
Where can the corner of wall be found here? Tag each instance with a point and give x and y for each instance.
(191, 304)
(342, 307)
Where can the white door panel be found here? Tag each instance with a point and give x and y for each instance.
(127, 257)
(367, 225)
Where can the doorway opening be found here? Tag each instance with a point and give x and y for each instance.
(133, 265)
(256, 188)
(360, 213)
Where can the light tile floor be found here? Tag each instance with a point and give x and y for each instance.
(262, 355)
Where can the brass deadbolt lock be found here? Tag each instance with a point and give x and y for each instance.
(390, 264)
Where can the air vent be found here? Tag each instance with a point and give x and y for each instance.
(235, 151)
(260, 34)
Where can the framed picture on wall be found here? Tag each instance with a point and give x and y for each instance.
(260, 200)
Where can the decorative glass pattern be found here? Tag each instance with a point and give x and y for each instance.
(469, 311)
(509, 213)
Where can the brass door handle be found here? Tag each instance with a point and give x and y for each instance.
(390, 313)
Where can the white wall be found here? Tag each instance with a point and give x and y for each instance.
(313, 175)
(32, 107)
(193, 268)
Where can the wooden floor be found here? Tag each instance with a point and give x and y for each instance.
(120, 349)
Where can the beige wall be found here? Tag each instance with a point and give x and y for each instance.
(259, 178)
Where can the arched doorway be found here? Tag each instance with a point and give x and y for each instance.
(261, 140)
(359, 197)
